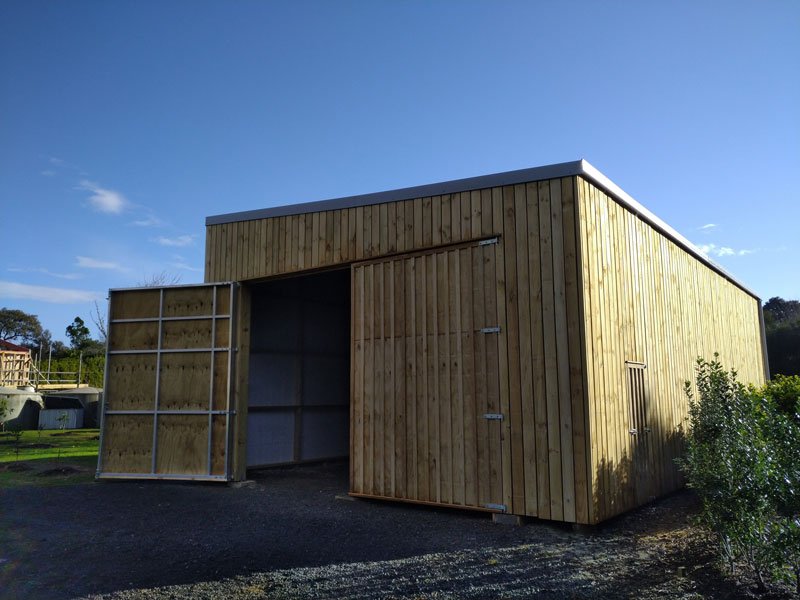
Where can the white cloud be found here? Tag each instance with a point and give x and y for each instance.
(708, 227)
(46, 272)
(54, 160)
(48, 173)
(53, 295)
(92, 263)
(148, 221)
(720, 251)
(177, 242)
(104, 200)
(185, 267)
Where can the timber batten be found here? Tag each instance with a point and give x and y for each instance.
(518, 342)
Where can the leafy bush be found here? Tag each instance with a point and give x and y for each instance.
(91, 370)
(743, 458)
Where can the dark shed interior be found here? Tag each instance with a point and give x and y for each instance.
(299, 386)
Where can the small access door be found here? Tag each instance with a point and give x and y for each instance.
(167, 395)
(640, 431)
(425, 407)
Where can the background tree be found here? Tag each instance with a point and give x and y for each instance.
(19, 326)
(782, 321)
(160, 280)
(78, 334)
(99, 320)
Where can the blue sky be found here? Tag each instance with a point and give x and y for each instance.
(124, 124)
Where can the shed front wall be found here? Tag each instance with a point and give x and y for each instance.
(540, 385)
(648, 301)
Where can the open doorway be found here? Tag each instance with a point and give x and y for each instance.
(299, 386)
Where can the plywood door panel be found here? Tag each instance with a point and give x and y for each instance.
(426, 391)
(167, 408)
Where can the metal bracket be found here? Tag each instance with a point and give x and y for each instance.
(490, 330)
(500, 507)
(493, 416)
(489, 242)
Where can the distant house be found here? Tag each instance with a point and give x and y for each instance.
(15, 365)
(511, 343)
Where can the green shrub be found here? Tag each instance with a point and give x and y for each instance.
(743, 458)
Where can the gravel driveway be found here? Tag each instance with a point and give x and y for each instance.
(287, 536)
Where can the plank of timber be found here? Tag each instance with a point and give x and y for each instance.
(379, 372)
(562, 351)
(391, 236)
(493, 376)
(427, 222)
(550, 357)
(525, 309)
(357, 380)
(401, 419)
(367, 234)
(575, 334)
(512, 338)
(447, 219)
(443, 307)
(476, 220)
(466, 216)
(468, 375)
(487, 228)
(481, 400)
(369, 375)
(436, 220)
(539, 498)
(410, 225)
(389, 380)
(456, 374)
(455, 217)
(375, 242)
(502, 348)
(360, 228)
(400, 243)
(432, 375)
(423, 480)
(411, 375)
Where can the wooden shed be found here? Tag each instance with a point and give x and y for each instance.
(515, 342)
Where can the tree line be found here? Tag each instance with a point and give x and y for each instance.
(83, 352)
(782, 324)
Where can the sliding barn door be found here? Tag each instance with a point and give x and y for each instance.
(167, 410)
(425, 389)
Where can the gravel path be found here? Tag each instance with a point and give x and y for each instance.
(287, 536)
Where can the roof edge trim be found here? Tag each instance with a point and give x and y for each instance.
(566, 169)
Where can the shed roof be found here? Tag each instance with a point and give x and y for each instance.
(565, 169)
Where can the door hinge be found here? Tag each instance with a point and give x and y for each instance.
(490, 330)
(489, 242)
(493, 416)
(500, 507)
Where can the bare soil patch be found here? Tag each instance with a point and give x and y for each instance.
(286, 536)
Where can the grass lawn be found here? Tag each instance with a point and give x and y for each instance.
(51, 457)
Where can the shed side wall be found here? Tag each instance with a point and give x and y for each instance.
(649, 301)
(544, 459)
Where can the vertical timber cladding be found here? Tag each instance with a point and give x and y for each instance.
(648, 301)
(167, 409)
(426, 416)
(541, 389)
